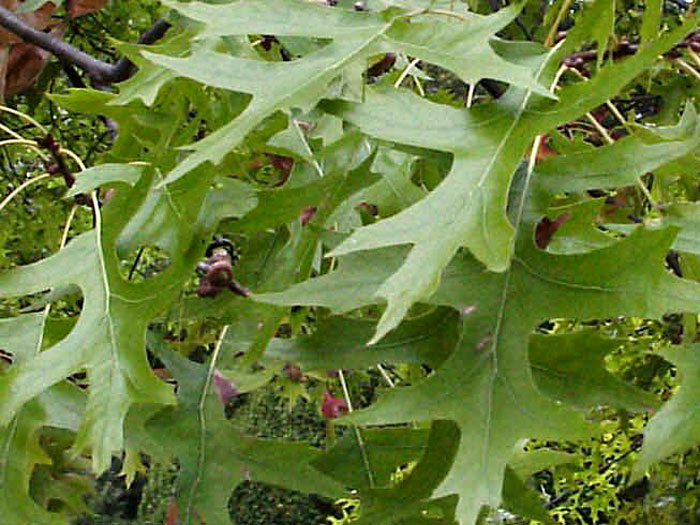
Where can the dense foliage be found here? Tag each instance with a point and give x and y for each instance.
(458, 241)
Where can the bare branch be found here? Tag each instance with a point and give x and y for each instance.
(124, 68)
(99, 72)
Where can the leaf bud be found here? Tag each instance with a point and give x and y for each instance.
(306, 215)
(333, 407)
(205, 289)
(225, 389)
(219, 274)
(293, 373)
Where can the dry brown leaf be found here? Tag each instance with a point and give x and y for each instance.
(77, 8)
(38, 19)
(25, 64)
(4, 58)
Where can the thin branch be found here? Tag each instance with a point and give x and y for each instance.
(19, 188)
(24, 117)
(563, 11)
(124, 68)
(690, 69)
(96, 69)
(358, 435)
(74, 77)
(406, 71)
(11, 133)
(100, 72)
(627, 48)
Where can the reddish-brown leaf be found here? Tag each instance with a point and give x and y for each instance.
(546, 228)
(78, 8)
(171, 515)
(25, 64)
(544, 152)
(282, 164)
(38, 19)
(4, 59)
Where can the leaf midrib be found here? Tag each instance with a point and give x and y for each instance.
(509, 271)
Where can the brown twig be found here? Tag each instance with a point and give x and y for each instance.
(627, 48)
(59, 166)
(101, 73)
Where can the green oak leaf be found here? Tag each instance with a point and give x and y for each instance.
(340, 342)
(21, 451)
(108, 340)
(351, 286)
(384, 449)
(276, 259)
(485, 386)
(169, 216)
(305, 81)
(526, 463)
(518, 496)
(390, 195)
(463, 46)
(147, 82)
(468, 208)
(579, 232)
(214, 457)
(522, 500)
(649, 149)
(684, 215)
(93, 178)
(21, 336)
(674, 429)
(620, 163)
(571, 368)
(602, 14)
(278, 86)
(60, 406)
(651, 21)
(409, 501)
(284, 204)
(293, 142)
(136, 129)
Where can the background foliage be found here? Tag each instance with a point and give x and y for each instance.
(385, 262)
